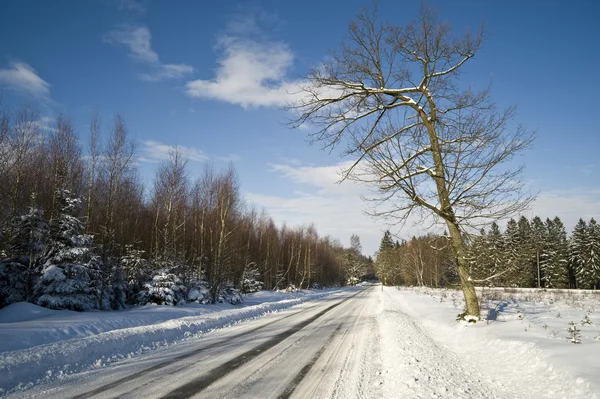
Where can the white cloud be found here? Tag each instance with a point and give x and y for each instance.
(138, 41)
(167, 71)
(154, 151)
(23, 78)
(252, 71)
(569, 205)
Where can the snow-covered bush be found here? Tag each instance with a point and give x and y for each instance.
(165, 289)
(316, 286)
(230, 294)
(250, 282)
(574, 333)
(199, 292)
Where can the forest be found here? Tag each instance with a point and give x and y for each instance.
(79, 230)
(528, 253)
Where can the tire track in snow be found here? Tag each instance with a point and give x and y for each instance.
(198, 384)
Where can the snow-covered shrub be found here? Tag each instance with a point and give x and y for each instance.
(316, 286)
(250, 282)
(230, 294)
(165, 289)
(199, 292)
(586, 321)
(575, 334)
(290, 288)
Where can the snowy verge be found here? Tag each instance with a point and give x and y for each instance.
(129, 333)
(526, 351)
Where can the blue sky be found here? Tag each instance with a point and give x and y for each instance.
(211, 77)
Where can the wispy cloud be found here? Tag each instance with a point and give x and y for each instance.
(21, 77)
(569, 205)
(138, 41)
(335, 209)
(154, 151)
(252, 70)
(132, 5)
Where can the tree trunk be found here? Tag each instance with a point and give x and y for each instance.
(458, 248)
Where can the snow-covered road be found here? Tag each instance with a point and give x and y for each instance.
(365, 343)
(320, 349)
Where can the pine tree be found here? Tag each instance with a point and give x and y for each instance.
(554, 260)
(386, 256)
(589, 274)
(540, 247)
(65, 282)
(137, 273)
(250, 282)
(479, 256)
(27, 246)
(497, 256)
(578, 252)
(165, 289)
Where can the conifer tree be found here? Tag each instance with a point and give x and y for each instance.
(577, 252)
(554, 260)
(65, 282)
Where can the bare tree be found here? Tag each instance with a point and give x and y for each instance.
(93, 160)
(117, 159)
(427, 145)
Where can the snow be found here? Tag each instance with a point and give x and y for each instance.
(514, 356)
(378, 343)
(39, 344)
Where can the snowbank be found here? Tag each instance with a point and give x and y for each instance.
(38, 344)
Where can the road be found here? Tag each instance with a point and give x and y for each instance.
(322, 349)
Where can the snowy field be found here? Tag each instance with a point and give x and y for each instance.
(361, 342)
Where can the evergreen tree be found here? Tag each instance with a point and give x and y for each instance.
(540, 246)
(250, 282)
(479, 256)
(578, 252)
(165, 289)
(137, 273)
(65, 282)
(587, 252)
(554, 260)
(27, 245)
(386, 256)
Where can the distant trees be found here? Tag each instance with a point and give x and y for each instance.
(537, 254)
(126, 244)
(422, 261)
(528, 254)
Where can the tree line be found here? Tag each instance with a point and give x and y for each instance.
(79, 229)
(528, 253)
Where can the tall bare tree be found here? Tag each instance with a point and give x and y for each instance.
(92, 165)
(428, 145)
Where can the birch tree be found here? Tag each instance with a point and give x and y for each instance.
(428, 144)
